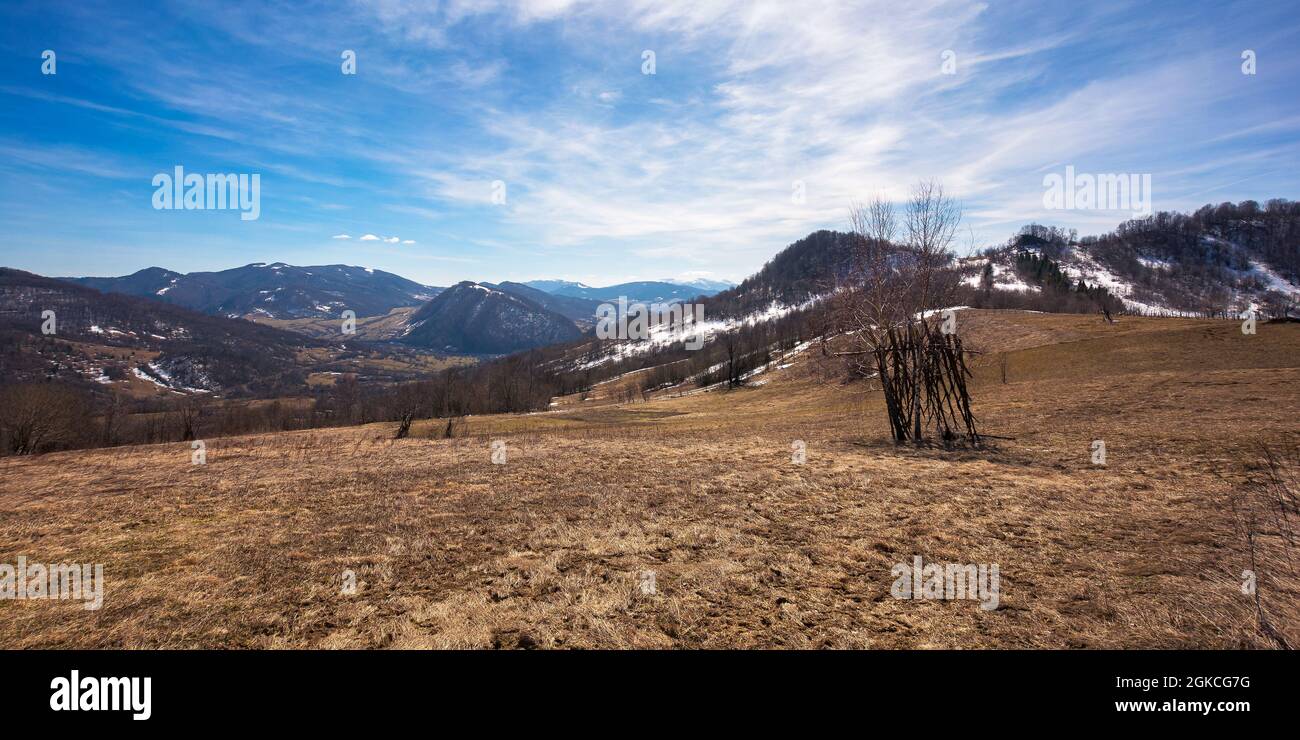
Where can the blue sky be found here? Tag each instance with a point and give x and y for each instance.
(612, 174)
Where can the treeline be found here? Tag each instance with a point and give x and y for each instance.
(47, 416)
(1033, 254)
(1059, 293)
(1209, 235)
(238, 356)
(1195, 263)
(1195, 260)
(1047, 301)
(798, 273)
(726, 359)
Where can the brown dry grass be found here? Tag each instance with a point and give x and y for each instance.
(749, 549)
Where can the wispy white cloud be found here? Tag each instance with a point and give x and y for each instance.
(70, 160)
(833, 97)
(841, 100)
(753, 103)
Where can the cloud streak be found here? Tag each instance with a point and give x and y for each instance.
(759, 125)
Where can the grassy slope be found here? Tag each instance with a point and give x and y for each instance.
(749, 549)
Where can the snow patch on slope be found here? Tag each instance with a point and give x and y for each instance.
(663, 335)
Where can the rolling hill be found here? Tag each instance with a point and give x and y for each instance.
(472, 318)
(1224, 259)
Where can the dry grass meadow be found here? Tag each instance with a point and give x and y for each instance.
(749, 550)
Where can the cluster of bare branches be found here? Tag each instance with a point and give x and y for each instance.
(923, 375)
(884, 311)
(39, 416)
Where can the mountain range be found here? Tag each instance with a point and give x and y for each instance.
(582, 311)
(476, 318)
(645, 291)
(1230, 257)
(276, 290)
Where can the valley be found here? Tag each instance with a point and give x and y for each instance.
(551, 547)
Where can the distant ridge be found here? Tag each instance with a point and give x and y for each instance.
(277, 290)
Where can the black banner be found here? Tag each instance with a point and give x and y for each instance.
(959, 689)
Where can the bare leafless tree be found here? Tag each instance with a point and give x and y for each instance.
(881, 309)
(39, 416)
(189, 412)
(347, 397)
(455, 427)
(931, 223)
(890, 283)
(1279, 305)
(112, 419)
